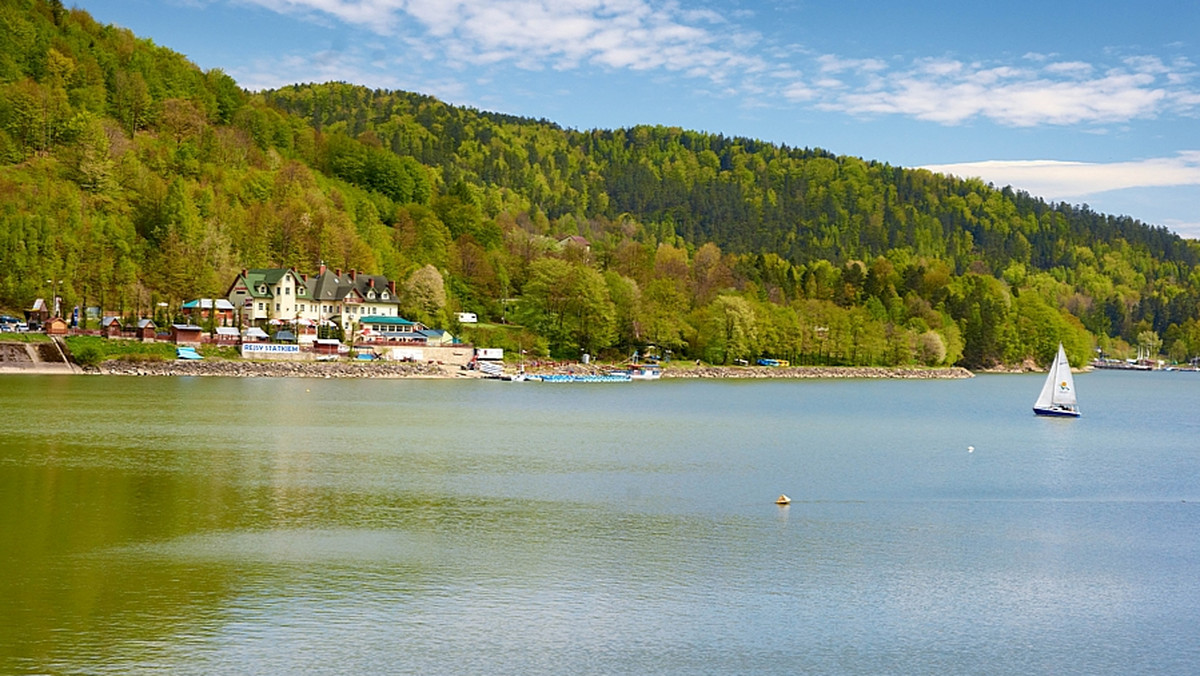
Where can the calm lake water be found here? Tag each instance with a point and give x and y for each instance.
(269, 526)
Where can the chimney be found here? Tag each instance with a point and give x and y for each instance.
(337, 272)
(322, 270)
(392, 287)
(244, 272)
(304, 278)
(371, 281)
(353, 275)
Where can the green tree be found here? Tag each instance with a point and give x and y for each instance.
(733, 329)
(424, 295)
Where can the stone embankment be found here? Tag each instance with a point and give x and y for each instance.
(252, 369)
(818, 372)
(689, 371)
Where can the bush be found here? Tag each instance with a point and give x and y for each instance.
(88, 354)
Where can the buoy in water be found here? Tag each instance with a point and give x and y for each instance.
(783, 500)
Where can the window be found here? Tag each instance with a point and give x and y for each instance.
(260, 305)
(277, 307)
(287, 290)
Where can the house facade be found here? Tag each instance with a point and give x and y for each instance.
(220, 310)
(327, 297)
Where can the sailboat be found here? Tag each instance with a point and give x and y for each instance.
(1058, 393)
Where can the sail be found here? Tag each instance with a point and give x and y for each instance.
(1059, 387)
(1064, 390)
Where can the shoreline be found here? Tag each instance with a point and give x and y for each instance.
(430, 370)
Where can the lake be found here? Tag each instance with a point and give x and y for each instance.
(215, 525)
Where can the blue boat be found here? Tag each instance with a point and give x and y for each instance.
(187, 353)
(565, 378)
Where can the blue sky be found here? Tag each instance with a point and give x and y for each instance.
(1092, 103)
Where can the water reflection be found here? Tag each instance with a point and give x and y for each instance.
(231, 526)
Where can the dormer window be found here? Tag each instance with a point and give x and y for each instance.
(385, 295)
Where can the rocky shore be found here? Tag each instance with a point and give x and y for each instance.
(389, 369)
(253, 369)
(907, 373)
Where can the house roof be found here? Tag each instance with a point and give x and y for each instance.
(227, 331)
(386, 321)
(260, 282)
(576, 240)
(186, 327)
(328, 285)
(143, 323)
(207, 303)
(255, 332)
(411, 336)
(110, 320)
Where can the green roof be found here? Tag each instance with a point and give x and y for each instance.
(393, 321)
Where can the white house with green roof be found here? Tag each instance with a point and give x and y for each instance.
(266, 294)
(328, 296)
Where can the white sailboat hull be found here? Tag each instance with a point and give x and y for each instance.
(1060, 412)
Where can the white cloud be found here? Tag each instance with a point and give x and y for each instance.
(635, 35)
(953, 92)
(662, 37)
(1064, 181)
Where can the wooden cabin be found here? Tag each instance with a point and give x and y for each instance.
(186, 334)
(56, 326)
(110, 327)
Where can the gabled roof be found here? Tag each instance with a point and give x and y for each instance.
(227, 331)
(110, 320)
(575, 240)
(143, 323)
(327, 285)
(260, 282)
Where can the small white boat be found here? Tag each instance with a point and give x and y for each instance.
(783, 500)
(1058, 392)
(644, 372)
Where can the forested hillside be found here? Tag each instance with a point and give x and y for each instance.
(129, 177)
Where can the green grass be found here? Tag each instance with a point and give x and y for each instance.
(92, 350)
(14, 337)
